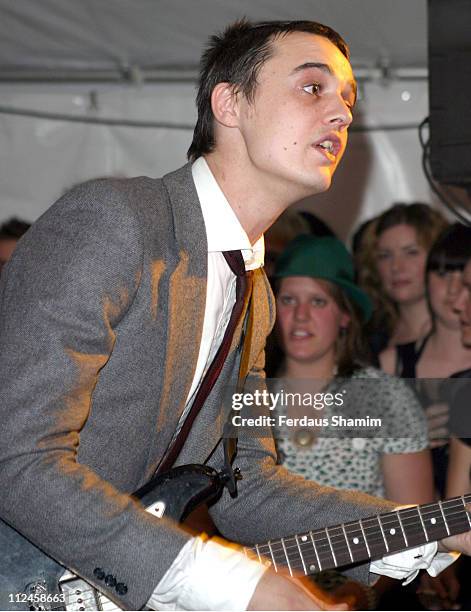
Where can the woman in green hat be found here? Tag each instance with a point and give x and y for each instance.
(320, 316)
(320, 313)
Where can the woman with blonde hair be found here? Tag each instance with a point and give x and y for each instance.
(391, 269)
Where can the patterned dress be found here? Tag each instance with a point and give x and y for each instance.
(350, 461)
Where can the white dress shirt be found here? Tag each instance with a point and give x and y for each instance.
(224, 233)
(208, 575)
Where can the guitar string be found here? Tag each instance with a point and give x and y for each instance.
(324, 552)
(323, 541)
(387, 519)
(410, 533)
(377, 547)
(88, 600)
(395, 522)
(87, 596)
(325, 561)
(322, 560)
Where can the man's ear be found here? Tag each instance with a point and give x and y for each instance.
(224, 104)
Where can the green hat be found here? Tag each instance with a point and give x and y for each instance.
(323, 257)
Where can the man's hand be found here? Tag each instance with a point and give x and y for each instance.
(460, 543)
(278, 592)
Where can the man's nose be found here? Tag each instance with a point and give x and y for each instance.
(338, 113)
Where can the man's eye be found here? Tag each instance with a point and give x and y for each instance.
(313, 88)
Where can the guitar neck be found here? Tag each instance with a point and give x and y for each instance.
(367, 539)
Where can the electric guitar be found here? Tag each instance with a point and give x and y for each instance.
(176, 493)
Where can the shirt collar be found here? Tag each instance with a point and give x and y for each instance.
(223, 229)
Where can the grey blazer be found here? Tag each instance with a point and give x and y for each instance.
(101, 315)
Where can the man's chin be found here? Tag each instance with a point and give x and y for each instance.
(319, 183)
(323, 184)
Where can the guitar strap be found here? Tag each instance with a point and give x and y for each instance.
(243, 294)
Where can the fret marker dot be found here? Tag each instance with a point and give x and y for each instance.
(392, 531)
(304, 538)
(312, 568)
(268, 563)
(433, 521)
(356, 541)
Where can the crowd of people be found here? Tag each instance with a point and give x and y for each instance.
(394, 315)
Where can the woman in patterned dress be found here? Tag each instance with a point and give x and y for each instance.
(320, 312)
(320, 315)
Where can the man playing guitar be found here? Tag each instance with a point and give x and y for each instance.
(114, 308)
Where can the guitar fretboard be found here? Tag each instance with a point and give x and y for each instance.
(369, 538)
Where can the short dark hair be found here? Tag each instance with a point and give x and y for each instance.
(13, 229)
(451, 251)
(236, 56)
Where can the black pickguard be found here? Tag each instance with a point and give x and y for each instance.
(182, 489)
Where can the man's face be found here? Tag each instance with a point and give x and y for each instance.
(463, 306)
(295, 130)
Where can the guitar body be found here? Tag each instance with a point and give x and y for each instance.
(174, 494)
(177, 492)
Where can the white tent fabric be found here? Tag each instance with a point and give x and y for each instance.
(103, 34)
(41, 157)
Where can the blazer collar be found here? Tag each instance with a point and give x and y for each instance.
(187, 295)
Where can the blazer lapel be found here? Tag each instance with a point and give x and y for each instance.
(186, 299)
(186, 307)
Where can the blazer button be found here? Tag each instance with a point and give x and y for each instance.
(121, 588)
(99, 573)
(110, 580)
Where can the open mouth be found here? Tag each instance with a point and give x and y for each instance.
(330, 146)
